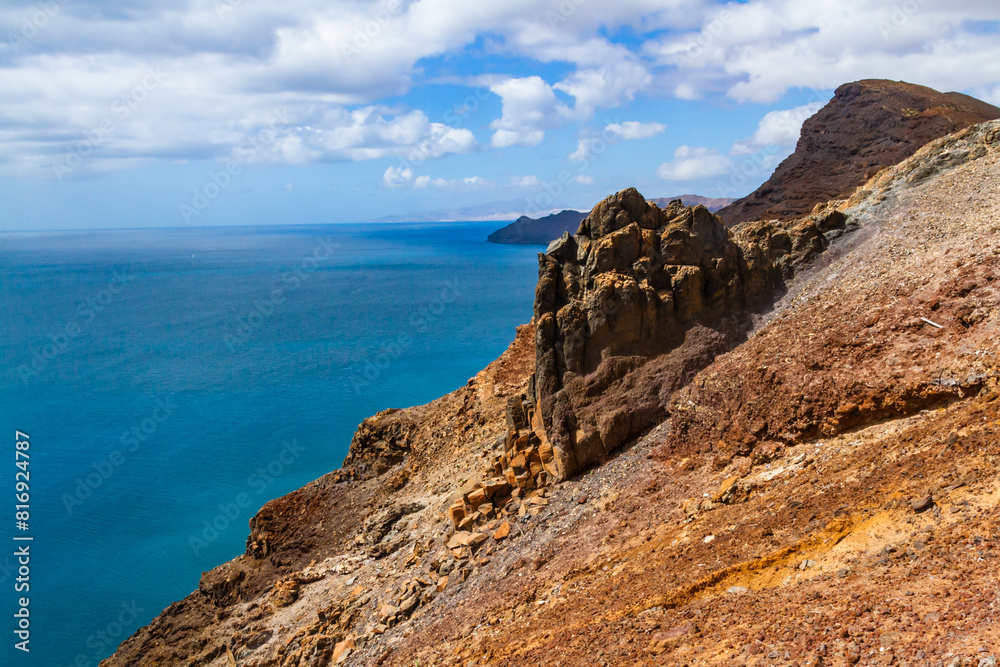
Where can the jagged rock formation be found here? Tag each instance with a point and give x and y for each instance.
(639, 283)
(867, 126)
(542, 231)
(713, 204)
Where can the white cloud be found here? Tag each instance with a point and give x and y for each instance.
(782, 128)
(583, 179)
(686, 91)
(589, 147)
(525, 181)
(694, 163)
(529, 108)
(635, 130)
(397, 177)
(779, 129)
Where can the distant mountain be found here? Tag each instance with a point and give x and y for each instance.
(541, 231)
(528, 231)
(867, 126)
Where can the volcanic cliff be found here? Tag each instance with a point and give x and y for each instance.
(867, 126)
(770, 444)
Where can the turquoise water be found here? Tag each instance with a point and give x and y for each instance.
(172, 381)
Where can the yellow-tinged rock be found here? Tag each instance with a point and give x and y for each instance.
(342, 650)
(503, 531)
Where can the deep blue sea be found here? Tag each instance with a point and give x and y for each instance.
(166, 377)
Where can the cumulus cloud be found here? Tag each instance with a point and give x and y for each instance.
(779, 128)
(635, 130)
(694, 163)
(529, 108)
(525, 181)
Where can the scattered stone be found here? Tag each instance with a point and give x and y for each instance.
(285, 591)
(736, 590)
(582, 499)
(923, 503)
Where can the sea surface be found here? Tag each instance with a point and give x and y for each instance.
(173, 381)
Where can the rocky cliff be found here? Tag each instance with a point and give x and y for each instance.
(811, 475)
(867, 126)
(627, 310)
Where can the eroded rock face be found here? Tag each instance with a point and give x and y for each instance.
(640, 283)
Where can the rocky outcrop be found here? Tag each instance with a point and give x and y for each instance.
(713, 204)
(641, 284)
(542, 231)
(867, 126)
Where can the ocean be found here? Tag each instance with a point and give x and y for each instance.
(172, 381)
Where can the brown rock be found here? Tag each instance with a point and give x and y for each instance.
(476, 497)
(342, 650)
(502, 531)
(495, 487)
(457, 512)
(726, 490)
(923, 503)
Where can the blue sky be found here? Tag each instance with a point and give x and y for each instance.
(229, 112)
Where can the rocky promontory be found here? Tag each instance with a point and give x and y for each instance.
(867, 126)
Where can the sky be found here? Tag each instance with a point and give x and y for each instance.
(139, 113)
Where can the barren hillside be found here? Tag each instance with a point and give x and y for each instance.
(817, 486)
